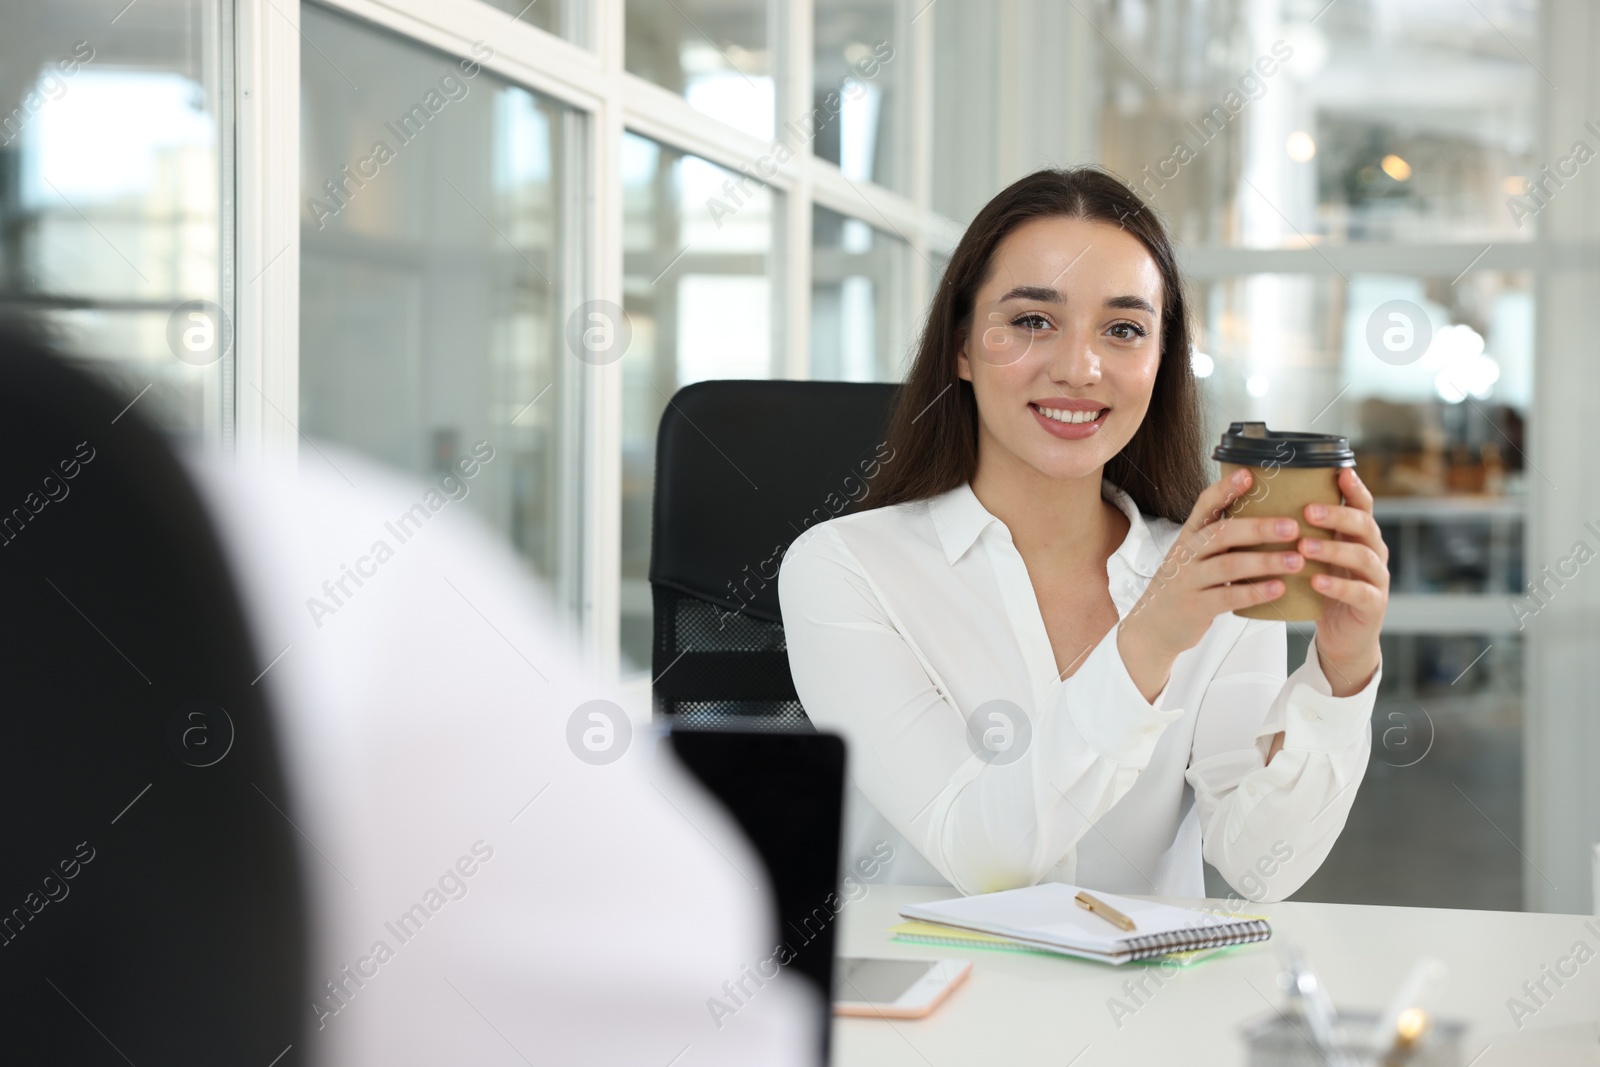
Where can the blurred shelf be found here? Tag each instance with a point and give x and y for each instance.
(1443, 613)
(1448, 507)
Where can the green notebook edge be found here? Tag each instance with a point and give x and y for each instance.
(917, 932)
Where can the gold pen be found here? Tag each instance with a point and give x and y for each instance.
(1104, 910)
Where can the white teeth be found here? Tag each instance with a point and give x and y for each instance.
(1072, 417)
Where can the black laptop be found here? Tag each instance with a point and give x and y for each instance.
(786, 790)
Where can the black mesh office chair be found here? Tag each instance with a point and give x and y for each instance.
(742, 468)
(151, 908)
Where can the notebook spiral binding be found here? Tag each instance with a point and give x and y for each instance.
(1192, 940)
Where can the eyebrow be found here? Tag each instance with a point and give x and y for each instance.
(1131, 303)
(1034, 292)
(1049, 295)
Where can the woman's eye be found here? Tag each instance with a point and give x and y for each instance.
(1031, 322)
(1127, 331)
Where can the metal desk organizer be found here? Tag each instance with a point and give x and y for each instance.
(1280, 1040)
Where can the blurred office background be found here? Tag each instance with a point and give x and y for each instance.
(1343, 163)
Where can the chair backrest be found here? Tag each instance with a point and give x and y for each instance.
(742, 469)
(151, 907)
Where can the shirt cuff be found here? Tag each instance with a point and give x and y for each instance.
(1110, 713)
(1317, 721)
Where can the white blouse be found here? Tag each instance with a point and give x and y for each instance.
(902, 622)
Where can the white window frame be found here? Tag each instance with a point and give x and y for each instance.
(592, 81)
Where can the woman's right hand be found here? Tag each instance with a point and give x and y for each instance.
(1192, 587)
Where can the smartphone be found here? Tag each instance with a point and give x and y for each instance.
(895, 989)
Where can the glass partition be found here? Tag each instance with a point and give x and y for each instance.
(716, 53)
(860, 64)
(1431, 378)
(116, 224)
(702, 281)
(967, 66)
(564, 18)
(1288, 124)
(438, 270)
(859, 325)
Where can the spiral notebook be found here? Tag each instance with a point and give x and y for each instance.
(1047, 917)
(917, 932)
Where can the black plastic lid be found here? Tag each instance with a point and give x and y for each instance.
(1251, 444)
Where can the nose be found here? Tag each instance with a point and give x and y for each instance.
(1075, 363)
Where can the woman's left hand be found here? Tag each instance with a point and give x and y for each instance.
(1356, 589)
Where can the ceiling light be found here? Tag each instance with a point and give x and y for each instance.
(1300, 146)
(1472, 374)
(1395, 167)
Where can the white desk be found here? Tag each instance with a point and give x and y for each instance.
(1020, 1009)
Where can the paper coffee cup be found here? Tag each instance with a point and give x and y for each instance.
(1288, 470)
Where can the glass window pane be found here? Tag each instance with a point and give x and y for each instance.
(858, 70)
(966, 101)
(564, 18)
(1431, 378)
(1446, 738)
(704, 297)
(1256, 125)
(435, 241)
(716, 53)
(860, 325)
(113, 156)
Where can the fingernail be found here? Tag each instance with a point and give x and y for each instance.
(1318, 511)
(1240, 477)
(1291, 561)
(1312, 546)
(1320, 581)
(1286, 527)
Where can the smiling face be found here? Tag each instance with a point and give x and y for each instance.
(1064, 345)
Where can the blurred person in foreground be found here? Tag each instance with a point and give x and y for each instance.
(472, 885)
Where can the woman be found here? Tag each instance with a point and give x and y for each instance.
(1029, 640)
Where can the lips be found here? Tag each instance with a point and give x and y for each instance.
(1056, 419)
(1077, 414)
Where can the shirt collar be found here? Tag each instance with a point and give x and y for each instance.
(959, 519)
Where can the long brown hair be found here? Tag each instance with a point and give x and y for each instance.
(935, 435)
